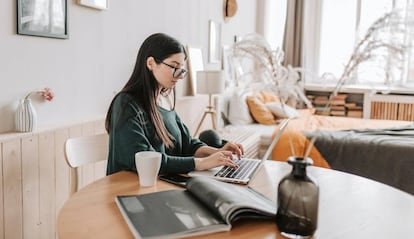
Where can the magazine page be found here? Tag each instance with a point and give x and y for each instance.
(168, 214)
(231, 201)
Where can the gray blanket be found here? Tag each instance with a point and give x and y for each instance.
(384, 155)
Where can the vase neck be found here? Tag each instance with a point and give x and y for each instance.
(299, 170)
(299, 165)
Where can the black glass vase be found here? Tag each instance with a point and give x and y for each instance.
(298, 199)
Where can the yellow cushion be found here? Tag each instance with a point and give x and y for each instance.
(268, 96)
(259, 110)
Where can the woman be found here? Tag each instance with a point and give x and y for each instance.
(142, 117)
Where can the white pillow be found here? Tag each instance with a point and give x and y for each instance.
(282, 111)
(239, 113)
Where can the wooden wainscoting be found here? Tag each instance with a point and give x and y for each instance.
(35, 179)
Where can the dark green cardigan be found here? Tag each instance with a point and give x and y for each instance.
(131, 132)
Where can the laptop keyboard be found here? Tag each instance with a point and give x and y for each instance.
(244, 169)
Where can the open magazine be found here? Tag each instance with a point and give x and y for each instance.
(206, 206)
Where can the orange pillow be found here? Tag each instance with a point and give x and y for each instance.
(269, 97)
(259, 110)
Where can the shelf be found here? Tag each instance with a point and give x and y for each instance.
(361, 89)
(361, 103)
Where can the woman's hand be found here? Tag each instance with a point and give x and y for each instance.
(221, 158)
(236, 149)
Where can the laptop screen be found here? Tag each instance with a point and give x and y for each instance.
(275, 140)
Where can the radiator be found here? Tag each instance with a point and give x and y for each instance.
(390, 107)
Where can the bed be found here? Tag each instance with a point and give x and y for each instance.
(377, 149)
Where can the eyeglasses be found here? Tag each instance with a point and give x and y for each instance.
(177, 71)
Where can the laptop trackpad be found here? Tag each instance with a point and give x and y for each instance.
(209, 172)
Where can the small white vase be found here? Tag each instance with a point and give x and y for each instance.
(26, 117)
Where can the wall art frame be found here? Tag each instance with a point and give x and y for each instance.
(194, 64)
(43, 18)
(97, 4)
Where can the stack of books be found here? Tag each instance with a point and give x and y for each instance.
(338, 105)
(353, 110)
(319, 103)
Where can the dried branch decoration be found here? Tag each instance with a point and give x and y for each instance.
(386, 37)
(269, 72)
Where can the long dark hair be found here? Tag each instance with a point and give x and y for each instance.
(143, 86)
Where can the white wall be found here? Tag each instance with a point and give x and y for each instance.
(85, 70)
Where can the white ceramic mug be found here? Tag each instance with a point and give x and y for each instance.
(148, 165)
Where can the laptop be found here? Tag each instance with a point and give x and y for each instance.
(247, 167)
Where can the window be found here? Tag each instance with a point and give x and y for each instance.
(274, 22)
(337, 35)
(342, 24)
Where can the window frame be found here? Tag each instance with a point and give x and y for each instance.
(312, 44)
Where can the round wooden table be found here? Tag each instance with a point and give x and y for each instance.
(350, 207)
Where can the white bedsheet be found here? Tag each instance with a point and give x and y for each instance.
(264, 131)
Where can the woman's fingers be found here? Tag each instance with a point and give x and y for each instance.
(240, 146)
(234, 148)
(226, 158)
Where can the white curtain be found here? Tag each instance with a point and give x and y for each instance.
(311, 39)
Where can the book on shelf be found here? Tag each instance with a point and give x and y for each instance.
(338, 113)
(350, 104)
(338, 107)
(320, 100)
(310, 97)
(355, 113)
(340, 96)
(205, 206)
(339, 99)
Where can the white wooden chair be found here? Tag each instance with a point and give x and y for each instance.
(80, 151)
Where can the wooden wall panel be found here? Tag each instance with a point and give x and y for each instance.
(35, 179)
(62, 169)
(100, 170)
(100, 167)
(47, 181)
(86, 173)
(12, 189)
(31, 187)
(99, 127)
(1, 193)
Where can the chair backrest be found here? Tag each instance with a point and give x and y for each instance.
(84, 150)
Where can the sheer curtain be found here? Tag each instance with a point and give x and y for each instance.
(272, 23)
(311, 39)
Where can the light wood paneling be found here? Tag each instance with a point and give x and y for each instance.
(63, 172)
(31, 187)
(12, 194)
(1, 193)
(86, 172)
(100, 167)
(47, 184)
(35, 179)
